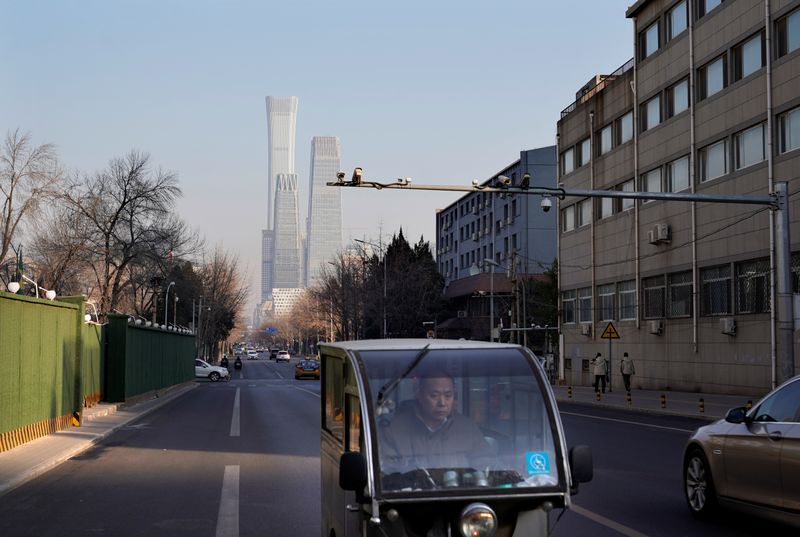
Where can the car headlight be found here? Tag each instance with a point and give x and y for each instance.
(478, 520)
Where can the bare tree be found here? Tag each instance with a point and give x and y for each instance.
(28, 174)
(224, 296)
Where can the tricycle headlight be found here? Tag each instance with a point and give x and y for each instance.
(478, 520)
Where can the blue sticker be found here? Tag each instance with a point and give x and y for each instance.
(538, 462)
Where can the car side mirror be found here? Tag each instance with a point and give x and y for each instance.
(353, 473)
(736, 415)
(581, 465)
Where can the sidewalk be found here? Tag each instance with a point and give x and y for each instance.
(32, 459)
(677, 403)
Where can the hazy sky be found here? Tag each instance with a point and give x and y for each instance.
(440, 91)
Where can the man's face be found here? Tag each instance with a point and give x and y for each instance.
(435, 398)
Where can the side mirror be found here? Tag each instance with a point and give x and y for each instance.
(736, 415)
(581, 465)
(353, 473)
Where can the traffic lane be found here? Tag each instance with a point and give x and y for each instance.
(160, 475)
(638, 475)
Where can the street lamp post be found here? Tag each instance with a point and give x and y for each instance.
(492, 263)
(166, 303)
(383, 253)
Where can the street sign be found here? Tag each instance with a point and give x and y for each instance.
(610, 332)
(271, 330)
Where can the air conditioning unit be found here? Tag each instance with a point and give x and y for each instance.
(475, 210)
(462, 314)
(586, 329)
(727, 325)
(656, 326)
(509, 220)
(662, 232)
(474, 236)
(502, 255)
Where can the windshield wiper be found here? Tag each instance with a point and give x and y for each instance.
(389, 387)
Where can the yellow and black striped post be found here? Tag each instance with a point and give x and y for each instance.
(702, 405)
(663, 401)
(628, 398)
(569, 392)
(597, 395)
(749, 404)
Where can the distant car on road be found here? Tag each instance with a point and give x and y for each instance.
(273, 354)
(750, 460)
(283, 356)
(252, 355)
(203, 369)
(306, 368)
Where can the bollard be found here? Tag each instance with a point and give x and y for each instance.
(569, 392)
(749, 404)
(702, 405)
(597, 395)
(628, 397)
(663, 401)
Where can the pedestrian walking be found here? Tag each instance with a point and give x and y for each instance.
(600, 367)
(627, 369)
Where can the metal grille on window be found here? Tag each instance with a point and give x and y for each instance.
(605, 294)
(585, 305)
(680, 294)
(752, 286)
(653, 297)
(627, 299)
(716, 290)
(568, 306)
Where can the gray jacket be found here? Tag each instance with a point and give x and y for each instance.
(600, 366)
(626, 366)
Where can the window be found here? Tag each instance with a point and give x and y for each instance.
(713, 161)
(678, 98)
(653, 290)
(627, 203)
(585, 305)
(748, 57)
(585, 212)
(605, 139)
(707, 5)
(789, 130)
(782, 406)
(355, 434)
(568, 306)
(676, 20)
(625, 128)
(513, 208)
(651, 113)
(333, 395)
(568, 218)
(605, 294)
(627, 300)
(678, 175)
(680, 294)
(749, 147)
(651, 182)
(648, 40)
(584, 152)
(568, 161)
(715, 292)
(606, 207)
(752, 287)
(711, 78)
(788, 33)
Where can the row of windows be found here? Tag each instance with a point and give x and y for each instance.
(472, 257)
(674, 22)
(740, 288)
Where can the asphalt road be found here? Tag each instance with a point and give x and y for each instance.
(242, 458)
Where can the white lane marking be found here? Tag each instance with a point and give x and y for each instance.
(277, 373)
(228, 517)
(628, 422)
(235, 417)
(307, 391)
(607, 522)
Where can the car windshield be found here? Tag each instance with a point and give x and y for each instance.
(461, 419)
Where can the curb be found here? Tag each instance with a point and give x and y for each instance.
(651, 411)
(48, 464)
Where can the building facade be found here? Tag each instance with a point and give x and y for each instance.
(512, 231)
(324, 227)
(710, 103)
(287, 264)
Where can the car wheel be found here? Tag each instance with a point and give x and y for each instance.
(698, 484)
(214, 376)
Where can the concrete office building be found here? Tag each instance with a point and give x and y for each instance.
(511, 230)
(324, 227)
(281, 128)
(710, 103)
(287, 264)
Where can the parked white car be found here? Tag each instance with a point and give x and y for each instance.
(203, 369)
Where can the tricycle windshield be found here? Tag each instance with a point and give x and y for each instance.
(461, 419)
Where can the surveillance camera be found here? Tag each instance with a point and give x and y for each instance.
(503, 181)
(546, 204)
(340, 176)
(356, 176)
(474, 182)
(526, 181)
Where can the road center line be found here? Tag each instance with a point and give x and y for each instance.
(228, 517)
(628, 422)
(607, 522)
(235, 417)
(307, 391)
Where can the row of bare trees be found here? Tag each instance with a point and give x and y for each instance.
(114, 236)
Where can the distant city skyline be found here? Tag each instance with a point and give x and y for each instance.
(324, 229)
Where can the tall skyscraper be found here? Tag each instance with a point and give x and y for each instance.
(324, 224)
(287, 266)
(281, 127)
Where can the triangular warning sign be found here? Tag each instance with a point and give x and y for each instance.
(610, 332)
